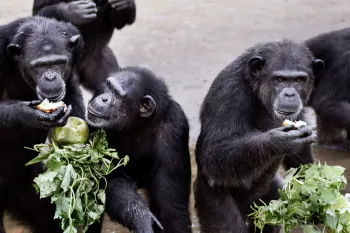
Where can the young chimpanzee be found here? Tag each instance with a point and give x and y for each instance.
(96, 21)
(242, 144)
(144, 122)
(37, 61)
(331, 97)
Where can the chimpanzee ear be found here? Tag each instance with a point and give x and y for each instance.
(318, 67)
(148, 106)
(76, 41)
(14, 50)
(256, 64)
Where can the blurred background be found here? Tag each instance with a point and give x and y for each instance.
(187, 42)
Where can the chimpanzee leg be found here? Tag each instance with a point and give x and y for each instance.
(217, 210)
(169, 201)
(271, 195)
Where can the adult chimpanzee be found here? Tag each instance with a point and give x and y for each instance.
(144, 122)
(37, 61)
(331, 97)
(96, 21)
(242, 144)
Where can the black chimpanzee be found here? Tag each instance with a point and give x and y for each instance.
(242, 144)
(96, 21)
(37, 61)
(331, 96)
(144, 122)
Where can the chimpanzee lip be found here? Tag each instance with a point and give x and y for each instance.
(53, 99)
(284, 112)
(94, 112)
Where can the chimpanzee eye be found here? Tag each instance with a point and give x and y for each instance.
(300, 80)
(280, 79)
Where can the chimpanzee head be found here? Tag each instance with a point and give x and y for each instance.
(282, 74)
(45, 51)
(132, 98)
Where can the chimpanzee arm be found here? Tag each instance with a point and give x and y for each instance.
(126, 207)
(121, 18)
(170, 188)
(74, 97)
(49, 8)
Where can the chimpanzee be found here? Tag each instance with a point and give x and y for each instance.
(331, 97)
(242, 142)
(37, 61)
(144, 122)
(96, 21)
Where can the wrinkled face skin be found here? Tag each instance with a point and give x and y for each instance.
(44, 50)
(121, 104)
(285, 80)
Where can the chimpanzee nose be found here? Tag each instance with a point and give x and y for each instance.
(105, 98)
(289, 92)
(50, 76)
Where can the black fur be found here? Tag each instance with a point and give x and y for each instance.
(143, 121)
(242, 144)
(27, 40)
(97, 30)
(330, 98)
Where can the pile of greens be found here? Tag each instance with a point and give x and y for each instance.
(75, 173)
(310, 198)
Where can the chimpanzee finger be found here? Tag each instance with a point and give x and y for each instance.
(90, 11)
(90, 16)
(286, 128)
(56, 115)
(34, 103)
(120, 5)
(41, 116)
(308, 140)
(155, 220)
(64, 119)
(306, 130)
(90, 4)
(294, 134)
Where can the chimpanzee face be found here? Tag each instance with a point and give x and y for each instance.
(285, 79)
(122, 103)
(44, 51)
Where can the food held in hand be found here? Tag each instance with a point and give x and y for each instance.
(75, 131)
(50, 107)
(296, 124)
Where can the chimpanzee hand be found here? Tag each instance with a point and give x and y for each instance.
(289, 138)
(34, 118)
(144, 225)
(81, 11)
(120, 4)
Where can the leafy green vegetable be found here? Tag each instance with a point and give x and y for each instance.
(310, 198)
(75, 179)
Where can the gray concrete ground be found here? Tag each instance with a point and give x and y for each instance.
(188, 42)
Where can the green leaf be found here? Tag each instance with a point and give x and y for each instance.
(69, 175)
(310, 229)
(46, 183)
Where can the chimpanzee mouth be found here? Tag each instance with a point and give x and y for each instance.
(95, 113)
(285, 112)
(56, 98)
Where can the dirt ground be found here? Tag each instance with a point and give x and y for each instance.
(188, 42)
